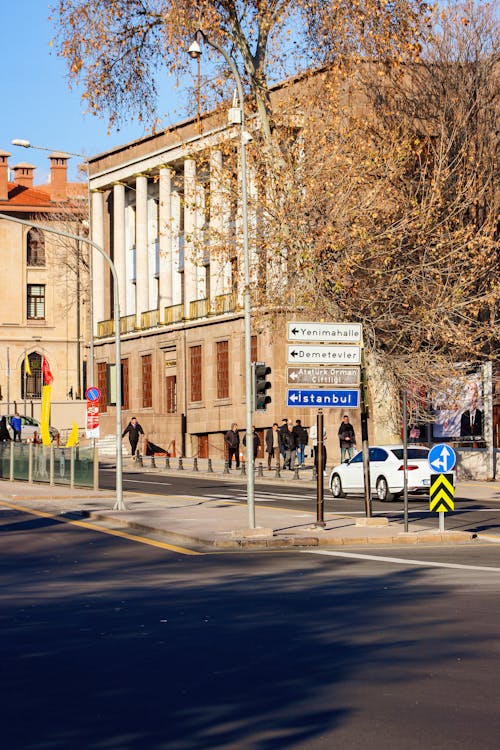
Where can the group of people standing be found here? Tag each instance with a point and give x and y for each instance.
(286, 443)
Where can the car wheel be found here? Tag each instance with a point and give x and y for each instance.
(336, 486)
(382, 488)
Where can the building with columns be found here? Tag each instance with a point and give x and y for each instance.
(43, 310)
(162, 207)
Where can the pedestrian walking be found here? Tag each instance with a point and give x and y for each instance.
(302, 440)
(290, 442)
(4, 432)
(347, 439)
(16, 425)
(232, 440)
(134, 430)
(282, 430)
(273, 446)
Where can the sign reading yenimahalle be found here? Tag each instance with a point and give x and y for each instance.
(323, 398)
(347, 333)
(322, 375)
(325, 355)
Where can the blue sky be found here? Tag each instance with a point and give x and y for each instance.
(36, 101)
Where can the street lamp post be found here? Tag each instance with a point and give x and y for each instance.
(119, 504)
(24, 143)
(195, 52)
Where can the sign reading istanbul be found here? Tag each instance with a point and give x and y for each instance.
(347, 333)
(324, 355)
(323, 398)
(322, 375)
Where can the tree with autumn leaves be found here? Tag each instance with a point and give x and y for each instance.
(374, 166)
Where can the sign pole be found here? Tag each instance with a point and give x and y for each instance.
(441, 521)
(405, 458)
(320, 521)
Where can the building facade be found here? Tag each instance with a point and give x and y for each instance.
(44, 304)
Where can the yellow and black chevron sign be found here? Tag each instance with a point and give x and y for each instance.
(442, 493)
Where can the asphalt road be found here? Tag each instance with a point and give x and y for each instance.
(477, 507)
(117, 645)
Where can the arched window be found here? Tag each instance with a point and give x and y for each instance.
(31, 385)
(35, 248)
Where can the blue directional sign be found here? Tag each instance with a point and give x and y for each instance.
(320, 398)
(442, 458)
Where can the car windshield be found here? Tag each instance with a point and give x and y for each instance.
(413, 453)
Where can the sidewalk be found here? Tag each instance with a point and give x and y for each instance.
(208, 524)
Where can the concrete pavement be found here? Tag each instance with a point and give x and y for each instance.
(208, 524)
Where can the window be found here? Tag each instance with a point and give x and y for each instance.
(147, 382)
(31, 385)
(36, 302)
(223, 369)
(195, 352)
(171, 394)
(253, 346)
(35, 248)
(125, 384)
(102, 384)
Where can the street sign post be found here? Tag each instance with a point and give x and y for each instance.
(442, 459)
(326, 355)
(322, 375)
(347, 333)
(320, 398)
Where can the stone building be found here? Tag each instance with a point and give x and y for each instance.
(42, 306)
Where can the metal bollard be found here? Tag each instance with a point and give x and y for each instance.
(296, 473)
(243, 469)
(277, 474)
(209, 467)
(153, 462)
(226, 467)
(138, 459)
(167, 462)
(260, 470)
(180, 467)
(315, 472)
(195, 464)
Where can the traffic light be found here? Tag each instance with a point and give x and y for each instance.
(261, 386)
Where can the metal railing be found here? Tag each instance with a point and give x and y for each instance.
(127, 324)
(224, 303)
(150, 319)
(105, 328)
(30, 462)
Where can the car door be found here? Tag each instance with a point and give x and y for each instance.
(378, 465)
(353, 474)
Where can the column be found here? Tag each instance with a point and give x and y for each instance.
(190, 292)
(220, 267)
(165, 232)
(98, 262)
(119, 243)
(141, 246)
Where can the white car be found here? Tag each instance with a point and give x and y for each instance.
(386, 472)
(28, 428)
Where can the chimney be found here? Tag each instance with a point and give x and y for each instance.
(4, 175)
(23, 174)
(58, 176)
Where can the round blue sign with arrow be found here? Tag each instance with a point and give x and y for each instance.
(442, 458)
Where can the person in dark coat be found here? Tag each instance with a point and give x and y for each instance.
(302, 438)
(256, 442)
(290, 441)
(133, 429)
(232, 440)
(347, 439)
(4, 432)
(282, 430)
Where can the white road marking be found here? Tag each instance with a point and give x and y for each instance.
(401, 560)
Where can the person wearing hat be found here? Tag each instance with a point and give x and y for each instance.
(347, 439)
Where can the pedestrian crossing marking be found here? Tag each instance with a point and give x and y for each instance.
(442, 493)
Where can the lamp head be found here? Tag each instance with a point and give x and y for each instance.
(21, 142)
(194, 50)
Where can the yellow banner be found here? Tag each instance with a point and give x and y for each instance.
(45, 414)
(73, 436)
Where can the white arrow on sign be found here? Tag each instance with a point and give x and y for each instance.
(327, 355)
(442, 461)
(347, 333)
